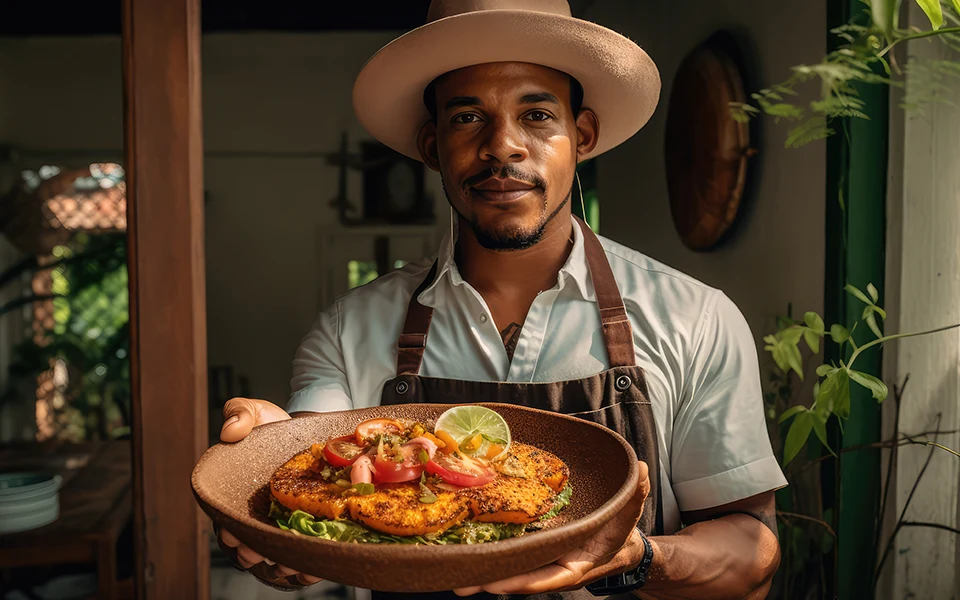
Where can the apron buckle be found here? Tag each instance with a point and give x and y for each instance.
(402, 387)
(622, 383)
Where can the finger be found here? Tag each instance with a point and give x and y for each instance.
(246, 555)
(468, 591)
(308, 579)
(239, 419)
(635, 505)
(227, 538)
(643, 479)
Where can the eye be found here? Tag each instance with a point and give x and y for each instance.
(466, 118)
(538, 115)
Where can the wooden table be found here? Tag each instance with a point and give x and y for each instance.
(95, 506)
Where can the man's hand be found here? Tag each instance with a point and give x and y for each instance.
(614, 549)
(240, 416)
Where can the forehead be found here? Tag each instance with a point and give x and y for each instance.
(498, 78)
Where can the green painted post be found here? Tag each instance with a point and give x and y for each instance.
(855, 253)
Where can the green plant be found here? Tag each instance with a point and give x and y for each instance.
(863, 57)
(832, 392)
(89, 337)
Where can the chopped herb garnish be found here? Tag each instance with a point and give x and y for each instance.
(364, 489)
(494, 440)
(424, 457)
(426, 494)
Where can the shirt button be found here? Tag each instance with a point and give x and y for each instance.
(483, 318)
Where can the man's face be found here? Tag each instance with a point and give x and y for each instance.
(506, 143)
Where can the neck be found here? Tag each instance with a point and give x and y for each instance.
(515, 273)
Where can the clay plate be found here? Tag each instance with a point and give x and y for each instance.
(231, 484)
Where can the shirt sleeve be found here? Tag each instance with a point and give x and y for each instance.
(319, 380)
(721, 451)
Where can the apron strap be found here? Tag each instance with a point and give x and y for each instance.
(413, 340)
(617, 332)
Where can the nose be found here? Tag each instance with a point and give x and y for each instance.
(503, 142)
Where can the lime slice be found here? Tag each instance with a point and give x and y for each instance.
(464, 423)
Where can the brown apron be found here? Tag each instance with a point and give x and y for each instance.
(615, 398)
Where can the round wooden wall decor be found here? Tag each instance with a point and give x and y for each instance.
(706, 150)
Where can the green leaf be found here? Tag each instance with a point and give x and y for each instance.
(834, 394)
(823, 370)
(813, 320)
(790, 412)
(956, 6)
(793, 359)
(876, 387)
(933, 11)
(777, 351)
(792, 335)
(858, 294)
(812, 340)
(839, 333)
(820, 428)
(884, 14)
(871, 320)
(797, 436)
(874, 295)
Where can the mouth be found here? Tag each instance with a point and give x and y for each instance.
(503, 190)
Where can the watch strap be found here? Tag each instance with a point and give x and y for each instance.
(628, 581)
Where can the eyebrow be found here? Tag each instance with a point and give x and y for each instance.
(461, 101)
(538, 98)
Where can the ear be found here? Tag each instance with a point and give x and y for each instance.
(427, 144)
(588, 132)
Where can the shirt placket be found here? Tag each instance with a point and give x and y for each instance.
(524, 365)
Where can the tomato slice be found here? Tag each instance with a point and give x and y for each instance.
(459, 471)
(342, 451)
(374, 427)
(390, 471)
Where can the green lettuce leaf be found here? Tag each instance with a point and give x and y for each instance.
(561, 501)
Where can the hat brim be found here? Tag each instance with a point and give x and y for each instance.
(620, 81)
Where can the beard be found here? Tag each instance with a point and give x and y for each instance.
(508, 239)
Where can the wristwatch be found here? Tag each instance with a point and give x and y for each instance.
(625, 582)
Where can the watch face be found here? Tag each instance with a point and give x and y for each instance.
(402, 187)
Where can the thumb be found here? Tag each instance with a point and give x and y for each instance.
(643, 479)
(643, 489)
(241, 415)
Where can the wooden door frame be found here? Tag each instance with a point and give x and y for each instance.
(164, 164)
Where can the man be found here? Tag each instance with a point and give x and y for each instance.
(503, 98)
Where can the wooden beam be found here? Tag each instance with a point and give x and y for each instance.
(164, 162)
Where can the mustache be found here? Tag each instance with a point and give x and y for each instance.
(506, 171)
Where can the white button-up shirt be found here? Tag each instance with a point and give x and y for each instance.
(696, 348)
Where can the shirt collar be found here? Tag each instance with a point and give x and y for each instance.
(574, 269)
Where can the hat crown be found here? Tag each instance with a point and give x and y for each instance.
(440, 9)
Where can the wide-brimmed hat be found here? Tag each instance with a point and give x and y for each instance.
(620, 82)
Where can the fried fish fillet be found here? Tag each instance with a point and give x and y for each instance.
(542, 465)
(295, 486)
(396, 508)
(510, 500)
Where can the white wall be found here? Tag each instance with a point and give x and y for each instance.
(273, 93)
(777, 254)
(923, 250)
